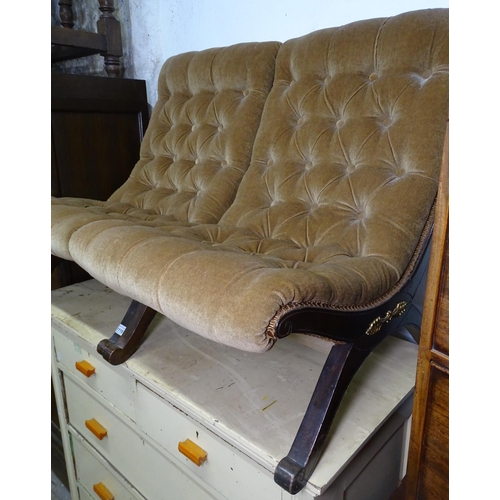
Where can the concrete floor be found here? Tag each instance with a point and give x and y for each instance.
(59, 491)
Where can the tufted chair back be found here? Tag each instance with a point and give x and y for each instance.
(199, 141)
(347, 157)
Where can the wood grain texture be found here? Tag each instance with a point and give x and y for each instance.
(97, 127)
(428, 472)
(433, 481)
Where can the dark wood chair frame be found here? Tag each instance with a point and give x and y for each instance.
(355, 334)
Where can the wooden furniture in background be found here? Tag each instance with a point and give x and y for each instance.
(97, 127)
(68, 43)
(427, 475)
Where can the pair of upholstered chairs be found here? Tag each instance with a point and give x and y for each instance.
(281, 188)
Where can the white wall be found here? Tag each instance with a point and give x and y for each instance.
(160, 28)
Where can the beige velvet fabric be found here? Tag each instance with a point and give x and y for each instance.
(196, 148)
(343, 176)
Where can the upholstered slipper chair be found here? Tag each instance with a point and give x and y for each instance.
(325, 233)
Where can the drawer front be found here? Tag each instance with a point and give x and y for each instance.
(225, 468)
(82, 492)
(91, 471)
(150, 472)
(115, 384)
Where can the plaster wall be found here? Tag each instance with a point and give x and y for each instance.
(160, 28)
(153, 30)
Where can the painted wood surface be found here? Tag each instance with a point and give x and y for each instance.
(253, 401)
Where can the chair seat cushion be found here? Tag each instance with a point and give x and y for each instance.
(70, 214)
(222, 282)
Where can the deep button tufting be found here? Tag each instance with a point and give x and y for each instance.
(373, 77)
(246, 92)
(224, 164)
(308, 165)
(427, 74)
(270, 163)
(359, 216)
(387, 122)
(350, 168)
(300, 121)
(193, 128)
(340, 123)
(400, 172)
(219, 128)
(196, 161)
(313, 207)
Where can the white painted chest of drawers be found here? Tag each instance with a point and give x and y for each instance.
(242, 409)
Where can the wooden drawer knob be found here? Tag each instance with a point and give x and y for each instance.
(102, 492)
(192, 451)
(85, 367)
(96, 428)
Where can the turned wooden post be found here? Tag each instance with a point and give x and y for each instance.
(109, 26)
(66, 13)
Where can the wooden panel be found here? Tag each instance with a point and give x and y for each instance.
(95, 151)
(55, 188)
(90, 470)
(427, 475)
(58, 464)
(114, 384)
(434, 476)
(143, 466)
(441, 332)
(223, 461)
(97, 127)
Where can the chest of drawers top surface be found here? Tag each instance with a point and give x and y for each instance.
(254, 402)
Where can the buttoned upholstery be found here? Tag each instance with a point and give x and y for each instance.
(331, 210)
(196, 148)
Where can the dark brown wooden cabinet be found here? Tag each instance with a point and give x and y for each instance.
(97, 126)
(427, 477)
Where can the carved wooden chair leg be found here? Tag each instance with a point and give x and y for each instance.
(293, 471)
(127, 337)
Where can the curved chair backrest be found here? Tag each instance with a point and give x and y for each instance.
(347, 157)
(199, 141)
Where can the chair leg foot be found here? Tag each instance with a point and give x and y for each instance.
(293, 471)
(129, 334)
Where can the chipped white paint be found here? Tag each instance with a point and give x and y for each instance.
(252, 402)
